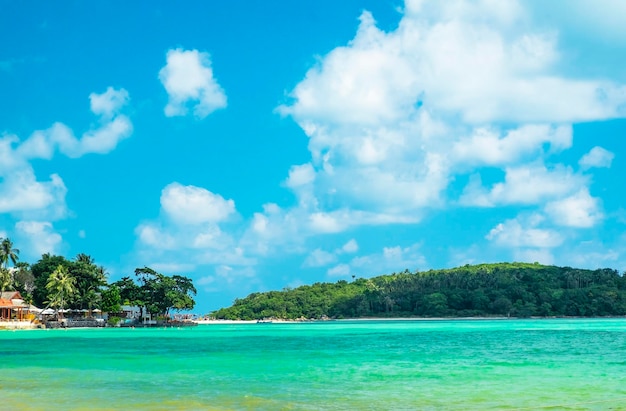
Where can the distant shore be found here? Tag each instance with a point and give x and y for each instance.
(277, 321)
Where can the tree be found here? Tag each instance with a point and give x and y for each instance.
(111, 299)
(24, 280)
(42, 270)
(90, 278)
(61, 287)
(157, 293)
(8, 252)
(180, 296)
(6, 279)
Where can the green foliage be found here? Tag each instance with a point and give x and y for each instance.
(506, 289)
(90, 279)
(157, 293)
(24, 280)
(81, 284)
(8, 252)
(61, 287)
(111, 299)
(6, 279)
(41, 271)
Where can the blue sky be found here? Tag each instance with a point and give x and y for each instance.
(260, 145)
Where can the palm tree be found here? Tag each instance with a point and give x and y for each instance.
(61, 286)
(6, 279)
(8, 252)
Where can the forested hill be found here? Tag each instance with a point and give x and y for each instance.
(506, 289)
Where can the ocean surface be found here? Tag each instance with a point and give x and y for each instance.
(572, 364)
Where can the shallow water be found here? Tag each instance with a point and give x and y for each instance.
(359, 365)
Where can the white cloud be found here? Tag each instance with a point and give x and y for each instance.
(194, 205)
(114, 127)
(103, 140)
(527, 184)
(154, 236)
(40, 235)
(341, 270)
(188, 79)
(22, 194)
(319, 258)
(524, 234)
(458, 89)
(579, 210)
(189, 230)
(390, 259)
(394, 117)
(108, 103)
(379, 76)
(487, 147)
(300, 175)
(596, 157)
(350, 247)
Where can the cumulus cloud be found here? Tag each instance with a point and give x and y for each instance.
(526, 184)
(390, 259)
(579, 210)
(114, 127)
(321, 258)
(397, 119)
(596, 157)
(189, 81)
(350, 247)
(22, 194)
(190, 217)
(108, 103)
(189, 228)
(194, 205)
(379, 76)
(394, 117)
(524, 234)
(487, 147)
(40, 236)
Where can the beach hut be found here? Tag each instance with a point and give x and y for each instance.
(12, 306)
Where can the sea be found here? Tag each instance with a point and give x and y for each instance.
(543, 364)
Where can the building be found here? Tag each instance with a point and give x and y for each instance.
(12, 306)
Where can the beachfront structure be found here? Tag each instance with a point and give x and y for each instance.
(134, 314)
(12, 306)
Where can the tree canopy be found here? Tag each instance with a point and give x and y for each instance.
(81, 284)
(505, 289)
(157, 293)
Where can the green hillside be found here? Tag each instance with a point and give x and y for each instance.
(504, 289)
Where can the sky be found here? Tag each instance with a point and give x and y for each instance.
(259, 145)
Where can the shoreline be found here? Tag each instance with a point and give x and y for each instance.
(13, 326)
(392, 319)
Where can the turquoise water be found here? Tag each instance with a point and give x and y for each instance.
(361, 365)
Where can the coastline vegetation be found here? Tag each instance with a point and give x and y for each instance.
(80, 284)
(484, 290)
